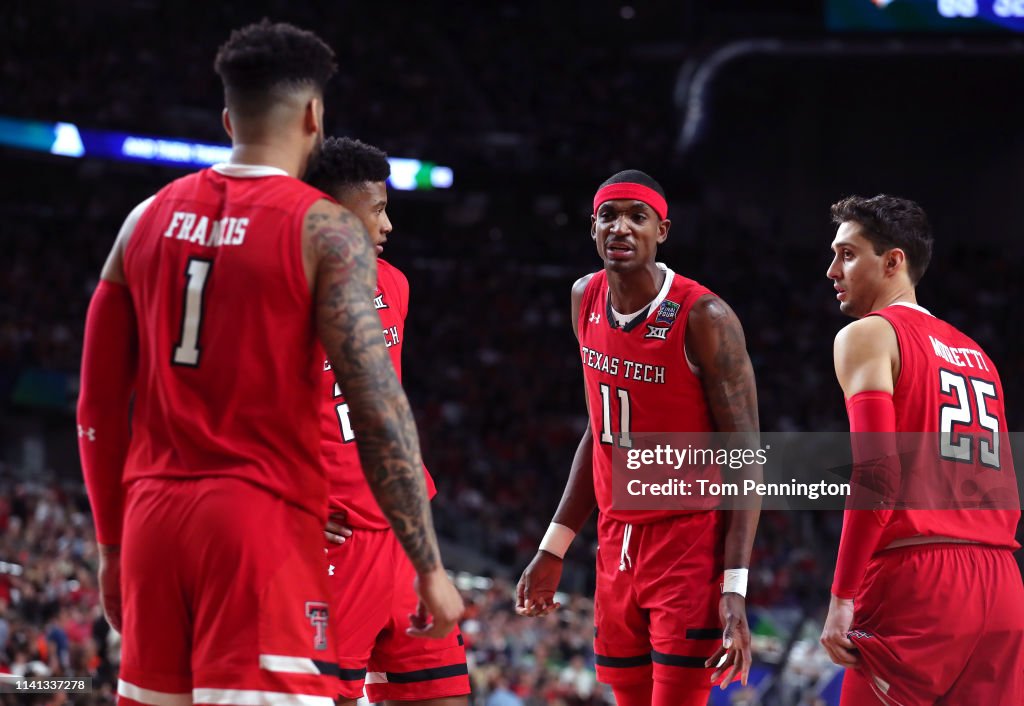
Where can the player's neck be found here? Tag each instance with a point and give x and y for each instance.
(267, 155)
(633, 290)
(906, 295)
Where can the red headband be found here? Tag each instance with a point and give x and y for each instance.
(628, 190)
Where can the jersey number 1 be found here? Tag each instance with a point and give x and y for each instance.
(625, 440)
(197, 274)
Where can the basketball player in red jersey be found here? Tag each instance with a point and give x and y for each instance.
(677, 363)
(927, 604)
(369, 576)
(209, 513)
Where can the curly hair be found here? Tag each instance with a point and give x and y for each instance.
(890, 222)
(342, 163)
(265, 57)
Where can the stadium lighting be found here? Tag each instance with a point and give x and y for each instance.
(68, 140)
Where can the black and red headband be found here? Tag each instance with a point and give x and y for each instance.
(630, 190)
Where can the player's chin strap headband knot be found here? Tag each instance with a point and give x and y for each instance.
(628, 190)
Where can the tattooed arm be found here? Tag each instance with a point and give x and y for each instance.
(338, 252)
(716, 345)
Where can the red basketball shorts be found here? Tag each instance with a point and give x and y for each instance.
(656, 605)
(940, 623)
(372, 595)
(224, 598)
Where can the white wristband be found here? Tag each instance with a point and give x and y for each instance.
(735, 581)
(557, 539)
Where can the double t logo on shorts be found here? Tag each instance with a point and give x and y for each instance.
(317, 614)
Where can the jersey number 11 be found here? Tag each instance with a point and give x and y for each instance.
(625, 440)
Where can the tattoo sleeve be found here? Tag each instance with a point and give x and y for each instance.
(350, 330)
(715, 338)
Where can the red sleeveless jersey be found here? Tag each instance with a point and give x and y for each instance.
(638, 380)
(227, 341)
(950, 389)
(349, 491)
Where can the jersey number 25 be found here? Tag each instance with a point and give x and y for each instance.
(958, 445)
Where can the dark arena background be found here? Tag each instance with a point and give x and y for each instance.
(754, 115)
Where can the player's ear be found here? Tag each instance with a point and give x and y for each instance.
(225, 119)
(893, 259)
(663, 230)
(314, 117)
(593, 227)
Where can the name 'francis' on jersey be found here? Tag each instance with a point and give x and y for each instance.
(225, 383)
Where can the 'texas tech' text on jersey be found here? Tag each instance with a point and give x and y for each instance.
(638, 379)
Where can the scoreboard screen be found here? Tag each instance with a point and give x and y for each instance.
(948, 16)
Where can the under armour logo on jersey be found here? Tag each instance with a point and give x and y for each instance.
(330, 569)
(89, 433)
(658, 332)
(317, 614)
(595, 318)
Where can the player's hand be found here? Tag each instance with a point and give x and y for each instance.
(535, 592)
(735, 647)
(439, 608)
(840, 648)
(110, 584)
(336, 531)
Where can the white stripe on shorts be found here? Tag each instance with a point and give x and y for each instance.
(249, 697)
(282, 663)
(153, 698)
(376, 678)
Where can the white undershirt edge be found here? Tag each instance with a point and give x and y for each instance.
(623, 319)
(247, 171)
(915, 307)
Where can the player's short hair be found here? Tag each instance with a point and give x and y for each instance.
(890, 222)
(261, 61)
(343, 163)
(633, 176)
